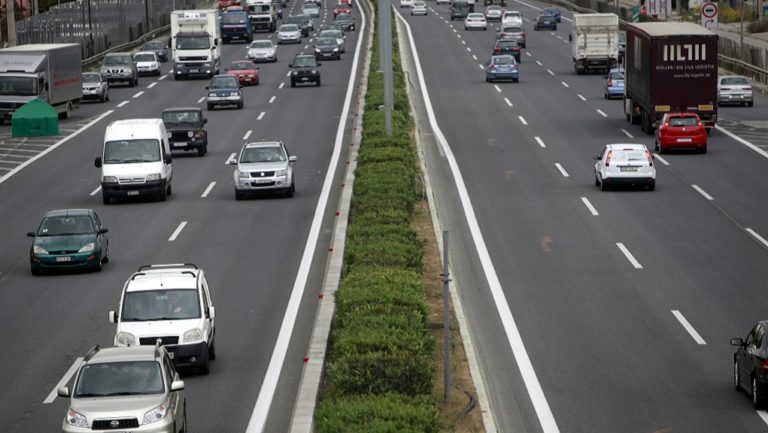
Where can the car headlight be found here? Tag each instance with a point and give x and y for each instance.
(281, 172)
(294, 72)
(153, 176)
(193, 334)
(109, 179)
(76, 419)
(155, 415)
(37, 249)
(314, 71)
(125, 339)
(190, 134)
(87, 248)
(207, 65)
(243, 174)
(317, 50)
(211, 95)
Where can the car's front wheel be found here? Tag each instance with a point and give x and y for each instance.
(736, 376)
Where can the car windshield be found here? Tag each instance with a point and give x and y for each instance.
(91, 78)
(475, 16)
(310, 6)
(504, 43)
(262, 154)
(21, 86)
(616, 76)
(167, 304)
(236, 18)
(493, 9)
(192, 43)
(66, 225)
(304, 61)
(241, 66)
(625, 155)
(261, 44)
(181, 117)
(295, 19)
(731, 81)
(326, 41)
(119, 378)
(289, 28)
(331, 34)
(144, 57)
(683, 121)
(223, 83)
(117, 60)
(512, 30)
(131, 151)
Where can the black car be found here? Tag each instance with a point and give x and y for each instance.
(305, 23)
(345, 22)
(545, 22)
(622, 46)
(305, 70)
(159, 48)
(750, 364)
(507, 46)
(327, 48)
(186, 126)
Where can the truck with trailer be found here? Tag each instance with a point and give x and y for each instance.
(262, 14)
(235, 25)
(670, 67)
(594, 42)
(50, 72)
(195, 43)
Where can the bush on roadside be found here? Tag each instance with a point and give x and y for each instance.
(389, 413)
(758, 26)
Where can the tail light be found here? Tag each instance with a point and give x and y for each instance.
(608, 158)
(610, 83)
(492, 67)
(497, 50)
(764, 364)
(648, 155)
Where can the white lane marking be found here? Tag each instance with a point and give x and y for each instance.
(269, 385)
(522, 120)
(562, 170)
(550, 72)
(565, 84)
(539, 140)
(757, 236)
(272, 99)
(742, 141)
(508, 102)
(261, 115)
(177, 232)
(68, 375)
(474, 57)
(464, 42)
(281, 85)
(498, 89)
(481, 67)
(469, 49)
(247, 134)
(138, 94)
(164, 77)
(539, 63)
(288, 74)
(152, 84)
(122, 104)
(528, 53)
(602, 113)
(559, 37)
(208, 190)
(763, 415)
(589, 206)
(627, 133)
(629, 256)
(702, 192)
(201, 99)
(696, 337)
(515, 340)
(306, 46)
(582, 98)
(663, 161)
(231, 157)
(95, 191)
(19, 167)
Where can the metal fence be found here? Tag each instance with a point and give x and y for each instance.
(98, 25)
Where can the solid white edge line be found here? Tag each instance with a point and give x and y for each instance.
(602, 113)
(754, 234)
(627, 133)
(663, 161)
(269, 385)
(539, 140)
(208, 190)
(95, 191)
(164, 77)
(742, 141)
(522, 120)
(763, 415)
(64, 379)
(589, 206)
(696, 337)
(231, 157)
(247, 134)
(177, 232)
(629, 256)
(515, 340)
(21, 166)
(561, 169)
(702, 192)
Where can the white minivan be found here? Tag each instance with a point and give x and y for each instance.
(135, 160)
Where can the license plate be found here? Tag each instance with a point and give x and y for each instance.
(63, 259)
(180, 144)
(194, 71)
(628, 168)
(133, 193)
(304, 79)
(736, 96)
(683, 140)
(261, 181)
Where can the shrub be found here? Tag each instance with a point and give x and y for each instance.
(371, 155)
(759, 26)
(389, 413)
(384, 254)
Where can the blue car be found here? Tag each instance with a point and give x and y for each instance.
(554, 12)
(502, 67)
(614, 85)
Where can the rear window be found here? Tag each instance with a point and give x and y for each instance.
(623, 155)
(506, 43)
(683, 121)
(731, 81)
(617, 76)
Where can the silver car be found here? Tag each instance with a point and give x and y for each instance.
(262, 50)
(264, 167)
(512, 32)
(289, 33)
(147, 63)
(333, 33)
(734, 89)
(95, 87)
(419, 8)
(311, 10)
(132, 388)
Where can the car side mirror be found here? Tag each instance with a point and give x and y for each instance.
(293, 158)
(598, 157)
(112, 316)
(290, 65)
(167, 158)
(319, 64)
(232, 161)
(205, 121)
(31, 234)
(212, 312)
(177, 385)
(97, 162)
(737, 342)
(102, 231)
(570, 38)
(62, 391)
(207, 88)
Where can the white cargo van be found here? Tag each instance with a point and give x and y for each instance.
(135, 160)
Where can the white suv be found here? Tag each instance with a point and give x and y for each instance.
(625, 164)
(170, 303)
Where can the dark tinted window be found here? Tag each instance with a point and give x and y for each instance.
(683, 121)
(181, 117)
(146, 305)
(66, 225)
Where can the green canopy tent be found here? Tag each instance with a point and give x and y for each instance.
(36, 118)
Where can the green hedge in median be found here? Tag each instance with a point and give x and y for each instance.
(389, 413)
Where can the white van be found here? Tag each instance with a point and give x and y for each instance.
(136, 160)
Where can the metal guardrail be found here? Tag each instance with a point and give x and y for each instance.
(90, 61)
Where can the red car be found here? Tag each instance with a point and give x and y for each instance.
(348, 2)
(342, 8)
(681, 131)
(223, 4)
(245, 72)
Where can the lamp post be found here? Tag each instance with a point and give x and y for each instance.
(741, 31)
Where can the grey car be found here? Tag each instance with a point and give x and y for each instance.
(264, 167)
(512, 32)
(95, 87)
(327, 48)
(289, 33)
(734, 89)
(334, 33)
(132, 388)
(311, 9)
(262, 50)
(119, 67)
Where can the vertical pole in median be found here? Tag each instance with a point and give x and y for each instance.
(385, 59)
(446, 321)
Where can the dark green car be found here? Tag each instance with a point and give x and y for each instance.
(69, 239)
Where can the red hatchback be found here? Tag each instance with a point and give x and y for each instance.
(342, 8)
(245, 72)
(681, 131)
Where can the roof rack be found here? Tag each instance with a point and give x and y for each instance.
(158, 345)
(168, 265)
(93, 350)
(140, 274)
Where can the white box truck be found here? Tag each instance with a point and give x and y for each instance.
(595, 42)
(50, 72)
(262, 14)
(195, 43)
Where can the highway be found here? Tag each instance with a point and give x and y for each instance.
(590, 311)
(257, 253)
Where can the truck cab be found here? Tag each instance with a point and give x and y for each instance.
(195, 43)
(235, 25)
(262, 14)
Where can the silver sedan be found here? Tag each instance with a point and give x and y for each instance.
(419, 8)
(289, 33)
(262, 50)
(734, 89)
(264, 167)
